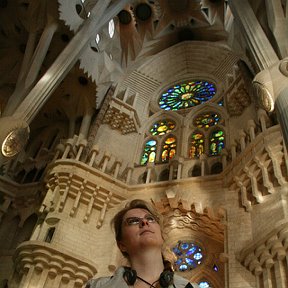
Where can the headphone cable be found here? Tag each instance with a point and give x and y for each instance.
(150, 285)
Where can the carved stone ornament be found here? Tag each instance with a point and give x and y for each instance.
(13, 136)
(264, 97)
(283, 67)
(193, 221)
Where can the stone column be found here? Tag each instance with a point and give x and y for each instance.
(242, 135)
(262, 116)
(85, 125)
(82, 144)
(94, 153)
(117, 168)
(203, 159)
(258, 43)
(129, 174)
(271, 84)
(180, 166)
(251, 128)
(41, 92)
(105, 161)
(150, 166)
(224, 155)
(277, 23)
(233, 150)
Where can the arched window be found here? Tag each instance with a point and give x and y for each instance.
(196, 171)
(149, 153)
(206, 120)
(216, 168)
(162, 127)
(216, 142)
(164, 175)
(49, 234)
(158, 129)
(168, 149)
(196, 145)
(187, 95)
(189, 256)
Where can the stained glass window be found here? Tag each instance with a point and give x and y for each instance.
(149, 153)
(215, 268)
(187, 95)
(196, 145)
(204, 284)
(221, 103)
(169, 149)
(206, 120)
(216, 142)
(162, 127)
(189, 256)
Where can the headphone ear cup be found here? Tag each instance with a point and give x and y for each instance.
(166, 279)
(130, 276)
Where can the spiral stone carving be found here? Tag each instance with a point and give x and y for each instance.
(264, 96)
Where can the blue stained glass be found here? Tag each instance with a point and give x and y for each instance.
(149, 153)
(215, 268)
(221, 103)
(204, 284)
(188, 256)
(177, 251)
(190, 262)
(187, 95)
(179, 261)
(183, 267)
(184, 246)
(191, 251)
(198, 256)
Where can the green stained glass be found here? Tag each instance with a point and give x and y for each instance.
(216, 142)
(187, 95)
(196, 145)
(149, 153)
(162, 127)
(168, 149)
(206, 120)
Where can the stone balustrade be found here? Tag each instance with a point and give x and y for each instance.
(43, 265)
(267, 257)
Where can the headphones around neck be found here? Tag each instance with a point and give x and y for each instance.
(166, 277)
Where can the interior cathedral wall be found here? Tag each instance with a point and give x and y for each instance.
(78, 196)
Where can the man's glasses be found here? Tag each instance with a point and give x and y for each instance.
(130, 221)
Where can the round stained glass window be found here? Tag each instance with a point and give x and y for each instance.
(189, 256)
(187, 95)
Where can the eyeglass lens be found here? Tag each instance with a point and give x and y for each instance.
(138, 220)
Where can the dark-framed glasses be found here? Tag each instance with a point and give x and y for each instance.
(130, 221)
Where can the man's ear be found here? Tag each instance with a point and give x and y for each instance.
(121, 246)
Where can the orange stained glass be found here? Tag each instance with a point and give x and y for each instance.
(169, 149)
(162, 127)
(196, 145)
